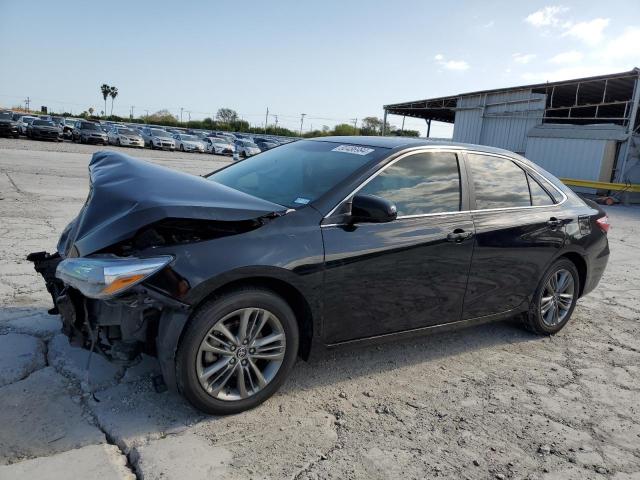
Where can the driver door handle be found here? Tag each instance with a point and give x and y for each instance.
(459, 235)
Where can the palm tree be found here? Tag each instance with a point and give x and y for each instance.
(106, 90)
(114, 93)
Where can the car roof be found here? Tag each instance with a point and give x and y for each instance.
(400, 143)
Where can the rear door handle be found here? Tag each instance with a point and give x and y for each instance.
(458, 235)
(554, 222)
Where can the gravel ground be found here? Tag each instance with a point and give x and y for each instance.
(489, 402)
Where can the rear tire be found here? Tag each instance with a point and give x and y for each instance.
(242, 358)
(554, 300)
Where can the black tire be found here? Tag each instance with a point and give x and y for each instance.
(201, 323)
(118, 142)
(181, 148)
(533, 319)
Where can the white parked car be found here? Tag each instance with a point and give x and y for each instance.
(219, 146)
(156, 138)
(246, 148)
(188, 143)
(125, 137)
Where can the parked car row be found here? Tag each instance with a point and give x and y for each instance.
(51, 127)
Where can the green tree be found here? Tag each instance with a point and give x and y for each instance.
(227, 116)
(344, 129)
(370, 126)
(162, 117)
(106, 91)
(113, 92)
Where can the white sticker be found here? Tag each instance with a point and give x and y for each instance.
(301, 200)
(353, 149)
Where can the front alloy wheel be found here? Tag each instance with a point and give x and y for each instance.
(237, 350)
(241, 354)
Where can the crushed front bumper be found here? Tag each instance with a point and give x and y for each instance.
(118, 328)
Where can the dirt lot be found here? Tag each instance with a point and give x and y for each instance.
(483, 403)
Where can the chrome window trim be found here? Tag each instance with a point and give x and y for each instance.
(452, 149)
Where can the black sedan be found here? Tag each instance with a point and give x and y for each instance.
(228, 278)
(8, 126)
(44, 130)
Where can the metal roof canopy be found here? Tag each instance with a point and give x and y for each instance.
(599, 99)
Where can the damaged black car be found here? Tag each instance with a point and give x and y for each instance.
(228, 278)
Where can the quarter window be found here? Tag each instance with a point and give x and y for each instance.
(539, 195)
(498, 182)
(420, 184)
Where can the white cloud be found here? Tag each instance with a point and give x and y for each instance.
(623, 47)
(489, 24)
(590, 32)
(459, 65)
(523, 58)
(546, 17)
(571, 56)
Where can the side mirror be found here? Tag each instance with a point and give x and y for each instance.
(372, 209)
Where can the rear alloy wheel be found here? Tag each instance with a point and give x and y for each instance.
(237, 351)
(555, 299)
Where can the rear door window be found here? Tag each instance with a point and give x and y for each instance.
(498, 182)
(420, 184)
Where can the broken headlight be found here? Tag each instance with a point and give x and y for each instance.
(107, 276)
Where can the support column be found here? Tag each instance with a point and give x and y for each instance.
(428, 126)
(619, 177)
(384, 124)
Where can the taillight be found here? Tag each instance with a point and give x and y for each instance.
(603, 223)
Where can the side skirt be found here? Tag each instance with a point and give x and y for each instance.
(417, 332)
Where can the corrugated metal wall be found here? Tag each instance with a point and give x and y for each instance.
(498, 119)
(568, 157)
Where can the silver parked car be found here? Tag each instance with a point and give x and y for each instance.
(219, 146)
(157, 138)
(246, 148)
(188, 143)
(125, 137)
(24, 122)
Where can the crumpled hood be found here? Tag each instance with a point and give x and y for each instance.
(127, 194)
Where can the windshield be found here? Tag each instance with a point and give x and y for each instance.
(219, 140)
(126, 131)
(89, 126)
(5, 116)
(297, 173)
(43, 122)
(160, 133)
(69, 122)
(189, 138)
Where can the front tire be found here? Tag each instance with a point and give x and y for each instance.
(554, 300)
(237, 350)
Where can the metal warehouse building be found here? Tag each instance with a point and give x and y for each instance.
(583, 129)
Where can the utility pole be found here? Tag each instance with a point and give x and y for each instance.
(147, 112)
(131, 114)
(181, 114)
(355, 125)
(276, 122)
(189, 113)
(266, 121)
(302, 115)
(403, 117)
(27, 101)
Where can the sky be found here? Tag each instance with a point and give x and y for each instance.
(335, 61)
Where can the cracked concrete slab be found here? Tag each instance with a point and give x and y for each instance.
(181, 457)
(133, 413)
(73, 361)
(19, 356)
(38, 417)
(97, 462)
(39, 324)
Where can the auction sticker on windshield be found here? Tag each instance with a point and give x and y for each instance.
(353, 149)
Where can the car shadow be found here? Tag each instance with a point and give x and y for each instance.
(349, 362)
